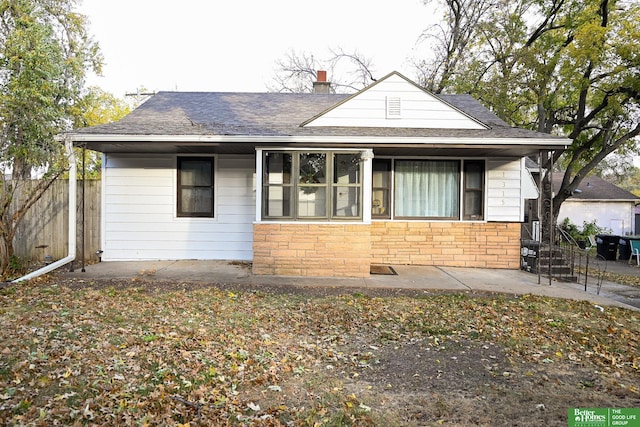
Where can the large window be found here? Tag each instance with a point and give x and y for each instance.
(312, 185)
(425, 188)
(195, 187)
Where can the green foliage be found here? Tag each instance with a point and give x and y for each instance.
(571, 229)
(44, 55)
(16, 265)
(43, 58)
(571, 68)
(96, 107)
(588, 229)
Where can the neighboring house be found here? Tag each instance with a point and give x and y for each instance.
(596, 200)
(316, 184)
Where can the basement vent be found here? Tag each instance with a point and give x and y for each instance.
(393, 107)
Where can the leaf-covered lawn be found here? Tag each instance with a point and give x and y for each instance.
(127, 356)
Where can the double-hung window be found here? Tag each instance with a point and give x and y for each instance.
(195, 187)
(473, 190)
(428, 188)
(318, 185)
(381, 189)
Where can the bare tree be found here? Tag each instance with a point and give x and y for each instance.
(295, 73)
(347, 71)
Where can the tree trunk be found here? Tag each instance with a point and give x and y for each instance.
(21, 170)
(6, 252)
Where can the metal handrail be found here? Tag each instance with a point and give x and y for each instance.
(576, 258)
(567, 237)
(529, 232)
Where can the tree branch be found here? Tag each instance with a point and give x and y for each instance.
(548, 21)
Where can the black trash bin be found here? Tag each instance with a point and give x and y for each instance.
(607, 246)
(624, 247)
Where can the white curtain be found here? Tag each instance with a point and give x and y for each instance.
(427, 188)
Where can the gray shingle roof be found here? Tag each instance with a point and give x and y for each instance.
(278, 114)
(596, 188)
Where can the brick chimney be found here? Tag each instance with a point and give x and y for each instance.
(321, 85)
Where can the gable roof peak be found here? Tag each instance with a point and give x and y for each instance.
(394, 101)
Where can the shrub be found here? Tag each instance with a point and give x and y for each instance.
(588, 229)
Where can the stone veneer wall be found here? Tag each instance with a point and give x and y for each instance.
(451, 244)
(312, 249)
(348, 250)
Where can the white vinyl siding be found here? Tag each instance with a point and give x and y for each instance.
(419, 109)
(140, 221)
(504, 196)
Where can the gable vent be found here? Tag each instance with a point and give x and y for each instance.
(394, 110)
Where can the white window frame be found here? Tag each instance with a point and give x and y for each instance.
(365, 196)
(461, 189)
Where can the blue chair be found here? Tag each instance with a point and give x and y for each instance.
(635, 250)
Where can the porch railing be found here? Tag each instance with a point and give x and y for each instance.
(564, 261)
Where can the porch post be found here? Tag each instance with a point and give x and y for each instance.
(258, 184)
(367, 183)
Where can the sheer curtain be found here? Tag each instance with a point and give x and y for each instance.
(427, 188)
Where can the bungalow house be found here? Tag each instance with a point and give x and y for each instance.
(315, 184)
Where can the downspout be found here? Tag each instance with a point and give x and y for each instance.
(84, 180)
(72, 219)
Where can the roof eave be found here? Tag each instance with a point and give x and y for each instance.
(573, 199)
(546, 143)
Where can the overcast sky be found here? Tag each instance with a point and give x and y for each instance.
(207, 45)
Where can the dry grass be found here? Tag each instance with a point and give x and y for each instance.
(93, 355)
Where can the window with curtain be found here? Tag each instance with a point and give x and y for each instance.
(195, 187)
(427, 188)
(312, 185)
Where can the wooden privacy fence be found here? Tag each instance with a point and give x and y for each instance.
(45, 228)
